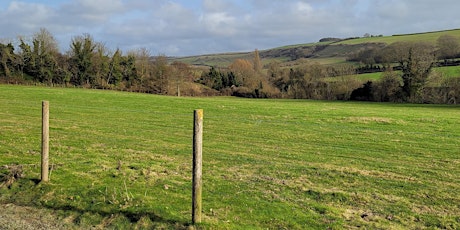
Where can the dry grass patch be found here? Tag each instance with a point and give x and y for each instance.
(369, 173)
(368, 120)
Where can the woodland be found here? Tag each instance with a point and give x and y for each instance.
(406, 69)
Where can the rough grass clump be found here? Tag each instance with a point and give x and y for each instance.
(9, 174)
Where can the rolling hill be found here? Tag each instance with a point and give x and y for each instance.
(330, 52)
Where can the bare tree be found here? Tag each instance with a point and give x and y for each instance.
(47, 42)
(448, 47)
(142, 56)
(257, 64)
(7, 56)
(161, 74)
(244, 73)
(388, 88)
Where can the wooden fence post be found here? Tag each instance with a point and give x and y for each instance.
(197, 165)
(45, 140)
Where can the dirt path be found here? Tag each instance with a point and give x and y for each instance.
(28, 218)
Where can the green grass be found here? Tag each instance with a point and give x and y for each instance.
(369, 76)
(430, 37)
(330, 61)
(123, 160)
(219, 60)
(226, 59)
(303, 45)
(450, 71)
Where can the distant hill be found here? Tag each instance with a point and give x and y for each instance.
(329, 51)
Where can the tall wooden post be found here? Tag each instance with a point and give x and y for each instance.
(197, 165)
(45, 140)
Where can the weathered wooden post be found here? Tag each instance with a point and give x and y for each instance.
(197, 165)
(45, 140)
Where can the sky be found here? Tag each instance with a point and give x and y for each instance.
(194, 27)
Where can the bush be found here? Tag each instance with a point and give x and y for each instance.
(364, 93)
(388, 89)
(453, 90)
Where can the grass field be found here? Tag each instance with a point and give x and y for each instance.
(123, 160)
(447, 72)
(221, 60)
(225, 59)
(430, 37)
(450, 71)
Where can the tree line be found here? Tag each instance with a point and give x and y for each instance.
(91, 64)
(407, 77)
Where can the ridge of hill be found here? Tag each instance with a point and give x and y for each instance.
(325, 52)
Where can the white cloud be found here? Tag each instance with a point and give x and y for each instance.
(217, 5)
(184, 27)
(23, 16)
(303, 7)
(90, 11)
(221, 23)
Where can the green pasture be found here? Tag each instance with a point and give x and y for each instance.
(335, 53)
(226, 59)
(123, 160)
(430, 37)
(303, 45)
(450, 71)
(220, 60)
(330, 61)
(447, 72)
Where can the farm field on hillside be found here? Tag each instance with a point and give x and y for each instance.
(429, 37)
(451, 71)
(337, 57)
(123, 160)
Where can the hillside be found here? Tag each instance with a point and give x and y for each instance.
(322, 52)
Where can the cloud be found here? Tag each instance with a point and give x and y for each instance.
(22, 17)
(217, 5)
(183, 27)
(221, 23)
